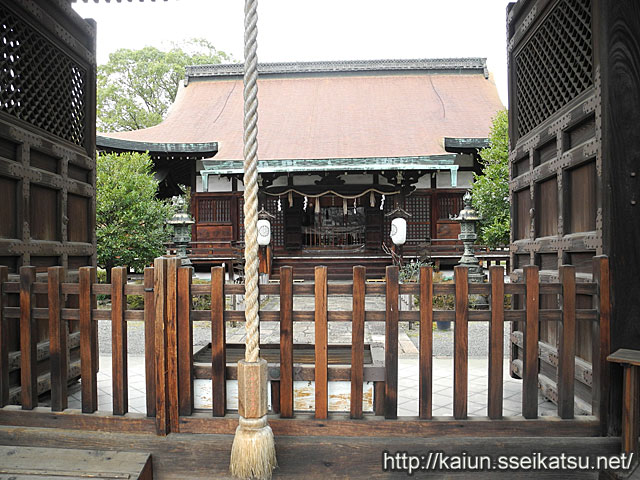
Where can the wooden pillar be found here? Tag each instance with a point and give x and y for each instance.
(28, 340)
(630, 361)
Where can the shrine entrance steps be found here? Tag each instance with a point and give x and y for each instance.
(339, 264)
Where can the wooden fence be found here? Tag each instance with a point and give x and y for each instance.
(168, 317)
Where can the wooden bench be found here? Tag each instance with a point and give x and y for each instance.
(28, 463)
(630, 361)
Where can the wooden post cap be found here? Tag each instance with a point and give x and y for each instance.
(252, 388)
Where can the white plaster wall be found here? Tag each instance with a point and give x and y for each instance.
(443, 179)
(305, 179)
(464, 160)
(280, 181)
(216, 184)
(424, 181)
(357, 179)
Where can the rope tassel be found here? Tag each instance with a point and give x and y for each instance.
(253, 454)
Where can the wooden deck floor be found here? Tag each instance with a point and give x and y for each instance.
(185, 456)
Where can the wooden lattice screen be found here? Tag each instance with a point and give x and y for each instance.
(555, 64)
(47, 135)
(41, 84)
(277, 224)
(419, 224)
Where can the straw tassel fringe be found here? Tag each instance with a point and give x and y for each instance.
(253, 455)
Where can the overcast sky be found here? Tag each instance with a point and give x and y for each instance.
(303, 30)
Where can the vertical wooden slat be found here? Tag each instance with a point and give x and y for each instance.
(172, 343)
(461, 343)
(378, 398)
(275, 395)
(218, 346)
(531, 335)
(321, 346)
(601, 338)
(286, 342)
(58, 334)
(357, 340)
(567, 344)
(630, 407)
(4, 337)
(28, 340)
(426, 343)
(119, 341)
(160, 343)
(185, 342)
(93, 332)
(496, 342)
(89, 384)
(391, 344)
(149, 342)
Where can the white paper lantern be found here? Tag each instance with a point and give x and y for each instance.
(264, 232)
(398, 231)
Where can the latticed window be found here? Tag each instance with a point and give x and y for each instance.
(214, 210)
(449, 205)
(555, 65)
(277, 224)
(241, 219)
(39, 83)
(419, 224)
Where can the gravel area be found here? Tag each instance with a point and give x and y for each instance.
(478, 340)
(339, 332)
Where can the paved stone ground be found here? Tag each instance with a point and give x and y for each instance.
(407, 389)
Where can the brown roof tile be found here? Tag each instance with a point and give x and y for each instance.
(332, 115)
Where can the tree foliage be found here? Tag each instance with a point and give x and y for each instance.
(137, 87)
(491, 189)
(130, 220)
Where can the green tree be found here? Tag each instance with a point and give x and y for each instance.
(137, 87)
(491, 189)
(130, 220)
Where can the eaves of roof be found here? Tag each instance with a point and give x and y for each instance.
(200, 149)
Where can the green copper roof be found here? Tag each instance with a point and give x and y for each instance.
(430, 162)
(452, 144)
(109, 143)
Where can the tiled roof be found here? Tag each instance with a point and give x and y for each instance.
(320, 110)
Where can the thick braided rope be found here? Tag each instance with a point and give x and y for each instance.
(251, 179)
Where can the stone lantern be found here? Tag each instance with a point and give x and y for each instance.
(181, 223)
(468, 218)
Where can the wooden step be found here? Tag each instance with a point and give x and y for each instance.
(31, 463)
(339, 267)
